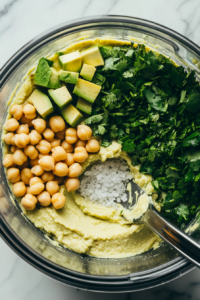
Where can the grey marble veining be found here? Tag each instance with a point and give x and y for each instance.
(22, 20)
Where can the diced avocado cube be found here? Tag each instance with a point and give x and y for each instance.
(92, 56)
(87, 72)
(72, 115)
(69, 77)
(41, 102)
(61, 96)
(84, 106)
(87, 90)
(54, 81)
(71, 62)
(43, 73)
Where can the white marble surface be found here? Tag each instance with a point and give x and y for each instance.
(22, 20)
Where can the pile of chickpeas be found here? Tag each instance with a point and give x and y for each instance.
(44, 155)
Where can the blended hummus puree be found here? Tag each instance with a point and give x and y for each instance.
(83, 226)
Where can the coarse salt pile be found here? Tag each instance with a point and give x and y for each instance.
(105, 183)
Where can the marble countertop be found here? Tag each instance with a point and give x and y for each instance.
(22, 20)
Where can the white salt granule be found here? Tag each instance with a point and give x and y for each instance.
(105, 183)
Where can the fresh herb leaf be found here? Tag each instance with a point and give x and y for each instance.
(147, 167)
(172, 200)
(128, 146)
(183, 212)
(101, 129)
(105, 143)
(93, 119)
(193, 103)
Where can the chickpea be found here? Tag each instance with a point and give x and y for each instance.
(48, 134)
(24, 120)
(67, 147)
(44, 147)
(29, 111)
(28, 190)
(34, 162)
(37, 188)
(71, 135)
(29, 202)
(72, 184)
(17, 111)
(70, 159)
(61, 134)
(31, 116)
(58, 200)
(52, 187)
(26, 175)
(58, 153)
(35, 137)
(8, 160)
(19, 189)
(80, 154)
(75, 170)
(23, 129)
(44, 199)
(35, 180)
(37, 170)
(47, 162)
(13, 175)
(39, 124)
(57, 123)
(21, 140)
(42, 155)
(11, 125)
(17, 179)
(80, 143)
(59, 179)
(92, 146)
(31, 152)
(13, 149)
(19, 157)
(24, 165)
(55, 143)
(9, 138)
(61, 169)
(47, 176)
(84, 132)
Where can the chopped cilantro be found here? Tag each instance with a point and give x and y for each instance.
(93, 119)
(152, 108)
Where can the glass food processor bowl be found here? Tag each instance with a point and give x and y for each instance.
(149, 269)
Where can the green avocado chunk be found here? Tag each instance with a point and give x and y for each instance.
(45, 75)
(54, 81)
(41, 102)
(72, 115)
(84, 106)
(87, 72)
(42, 73)
(92, 56)
(71, 62)
(60, 96)
(69, 77)
(87, 90)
